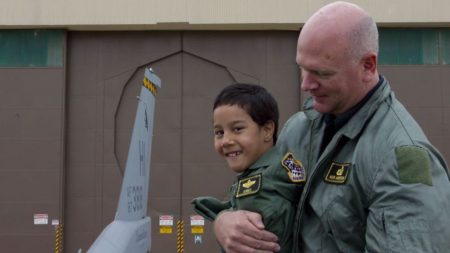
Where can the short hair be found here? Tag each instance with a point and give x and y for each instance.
(254, 99)
(363, 38)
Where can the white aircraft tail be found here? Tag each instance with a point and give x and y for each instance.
(130, 230)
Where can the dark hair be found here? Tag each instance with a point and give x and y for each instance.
(254, 99)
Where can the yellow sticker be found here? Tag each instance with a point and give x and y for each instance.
(165, 230)
(197, 229)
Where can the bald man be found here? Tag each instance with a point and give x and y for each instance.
(374, 181)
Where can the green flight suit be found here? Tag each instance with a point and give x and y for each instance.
(270, 187)
(379, 185)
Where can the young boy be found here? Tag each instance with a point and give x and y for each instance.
(245, 120)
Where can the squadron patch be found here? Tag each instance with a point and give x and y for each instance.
(294, 167)
(337, 173)
(248, 186)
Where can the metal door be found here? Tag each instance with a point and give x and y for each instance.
(104, 73)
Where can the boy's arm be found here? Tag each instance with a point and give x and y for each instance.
(210, 207)
(243, 232)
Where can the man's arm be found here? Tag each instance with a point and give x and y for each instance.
(243, 232)
(409, 205)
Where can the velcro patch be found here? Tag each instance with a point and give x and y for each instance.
(414, 165)
(337, 173)
(294, 167)
(249, 186)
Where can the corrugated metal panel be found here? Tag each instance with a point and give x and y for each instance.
(31, 157)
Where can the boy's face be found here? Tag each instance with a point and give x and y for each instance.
(239, 139)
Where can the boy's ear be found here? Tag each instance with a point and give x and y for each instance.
(269, 129)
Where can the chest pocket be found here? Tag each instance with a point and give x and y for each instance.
(342, 218)
(347, 227)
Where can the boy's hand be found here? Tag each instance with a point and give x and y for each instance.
(243, 232)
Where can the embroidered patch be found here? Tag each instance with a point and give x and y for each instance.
(294, 167)
(248, 186)
(337, 173)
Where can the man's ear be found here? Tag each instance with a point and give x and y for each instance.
(369, 66)
(268, 128)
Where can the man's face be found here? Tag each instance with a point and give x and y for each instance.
(329, 74)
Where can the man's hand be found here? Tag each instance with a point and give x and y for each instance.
(243, 232)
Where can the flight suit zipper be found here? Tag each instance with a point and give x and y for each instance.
(300, 207)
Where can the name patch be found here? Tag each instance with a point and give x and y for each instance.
(294, 167)
(248, 186)
(337, 173)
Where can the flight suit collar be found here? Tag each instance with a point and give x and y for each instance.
(266, 159)
(356, 122)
